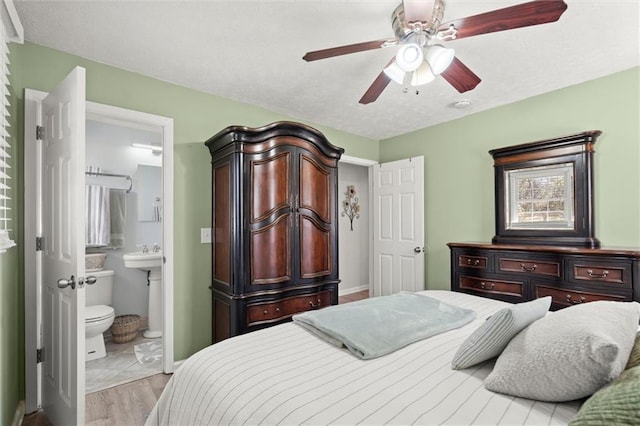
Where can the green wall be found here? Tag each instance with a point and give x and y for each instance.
(459, 194)
(197, 116)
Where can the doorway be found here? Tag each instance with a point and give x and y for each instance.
(354, 236)
(132, 123)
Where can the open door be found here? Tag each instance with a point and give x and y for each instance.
(61, 231)
(398, 226)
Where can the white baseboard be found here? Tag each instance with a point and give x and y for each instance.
(19, 415)
(344, 292)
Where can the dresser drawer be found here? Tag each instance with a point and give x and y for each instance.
(468, 261)
(529, 266)
(597, 271)
(281, 309)
(507, 288)
(567, 297)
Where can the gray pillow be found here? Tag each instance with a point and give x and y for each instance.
(490, 339)
(569, 354)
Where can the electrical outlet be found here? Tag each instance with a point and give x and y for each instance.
(205, 235)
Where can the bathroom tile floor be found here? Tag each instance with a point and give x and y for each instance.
(119, 366)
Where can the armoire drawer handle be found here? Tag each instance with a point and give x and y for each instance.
(526, 268)
(314, 306)
(476, 262)
(575, 302)
(601, 275)
(489, 286)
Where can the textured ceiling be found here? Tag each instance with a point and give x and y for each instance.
(251, 51)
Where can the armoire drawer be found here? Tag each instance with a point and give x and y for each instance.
(529, 266)
(568, 297)
(483, 285)
(600, 271)
(281, 309)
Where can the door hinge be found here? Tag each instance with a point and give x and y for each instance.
(39, 133)
(39, 355)
(39, 241)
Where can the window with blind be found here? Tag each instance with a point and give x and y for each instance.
(11, 32)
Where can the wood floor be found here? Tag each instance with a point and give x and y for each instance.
(364, 294)
(131, 403)
(128, 404)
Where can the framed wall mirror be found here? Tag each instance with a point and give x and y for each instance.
(544, 192)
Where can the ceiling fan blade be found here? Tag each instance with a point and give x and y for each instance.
(350, 48)
(460, 76)
(377, 87)
(417, 10)
(522, 15)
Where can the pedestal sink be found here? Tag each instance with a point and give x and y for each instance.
(152, 263)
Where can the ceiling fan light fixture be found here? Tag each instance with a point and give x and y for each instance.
(422, 75)
(409, 57)
(439, 58)
(394, 72)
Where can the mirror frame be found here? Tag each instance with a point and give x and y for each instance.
(576, 149)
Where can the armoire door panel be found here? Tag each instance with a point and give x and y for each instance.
(315, 249)
(271, 252)
(222, 224)
(269, 187)
(315, 188)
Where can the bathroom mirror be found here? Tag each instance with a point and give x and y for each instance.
(544, 192)
(149, 190)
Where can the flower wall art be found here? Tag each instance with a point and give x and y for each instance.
(350, 206)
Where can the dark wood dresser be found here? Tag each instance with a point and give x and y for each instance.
(274, 219)
(570, 275)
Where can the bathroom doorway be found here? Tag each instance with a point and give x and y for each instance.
(104, 119)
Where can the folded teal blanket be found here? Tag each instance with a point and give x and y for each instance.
(378, 326)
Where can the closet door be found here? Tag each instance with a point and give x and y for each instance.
(268, 219)
(315, 222)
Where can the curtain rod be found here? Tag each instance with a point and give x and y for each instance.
(127, 177)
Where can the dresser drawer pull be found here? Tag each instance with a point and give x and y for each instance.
(526, 268)
(476, 262)
(601, 275)
(315, 306)
(488, 286)
(575, 302)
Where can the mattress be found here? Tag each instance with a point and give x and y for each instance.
(285, 375)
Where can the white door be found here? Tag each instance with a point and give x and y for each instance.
(62, 231)
(398, 226)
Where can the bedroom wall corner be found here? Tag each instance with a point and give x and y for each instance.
(459, 191)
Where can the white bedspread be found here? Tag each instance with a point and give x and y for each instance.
(285, 375)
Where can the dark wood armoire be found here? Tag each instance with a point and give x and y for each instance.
(274, 217)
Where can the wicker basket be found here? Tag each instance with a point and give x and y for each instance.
(125, 328)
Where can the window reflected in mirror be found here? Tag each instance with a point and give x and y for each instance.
(540, 197)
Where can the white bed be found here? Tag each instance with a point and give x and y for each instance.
(285, 375)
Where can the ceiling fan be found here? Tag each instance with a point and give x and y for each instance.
(418, 29)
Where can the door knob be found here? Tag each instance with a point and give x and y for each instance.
(90, 279)
(64, 283)
(418, 249)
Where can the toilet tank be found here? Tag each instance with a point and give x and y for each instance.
(100, 293)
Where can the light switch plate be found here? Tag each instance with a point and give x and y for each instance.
(205, 235)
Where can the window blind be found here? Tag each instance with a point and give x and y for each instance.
(11, 32)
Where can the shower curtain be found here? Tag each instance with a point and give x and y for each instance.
(97, 216)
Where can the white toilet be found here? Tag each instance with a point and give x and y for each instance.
(98, 314)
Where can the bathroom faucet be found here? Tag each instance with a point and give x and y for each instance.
(156, 248)
(145, 249)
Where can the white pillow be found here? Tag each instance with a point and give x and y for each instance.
(569, 354)
(490, 339)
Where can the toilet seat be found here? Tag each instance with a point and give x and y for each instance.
(96, 313)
